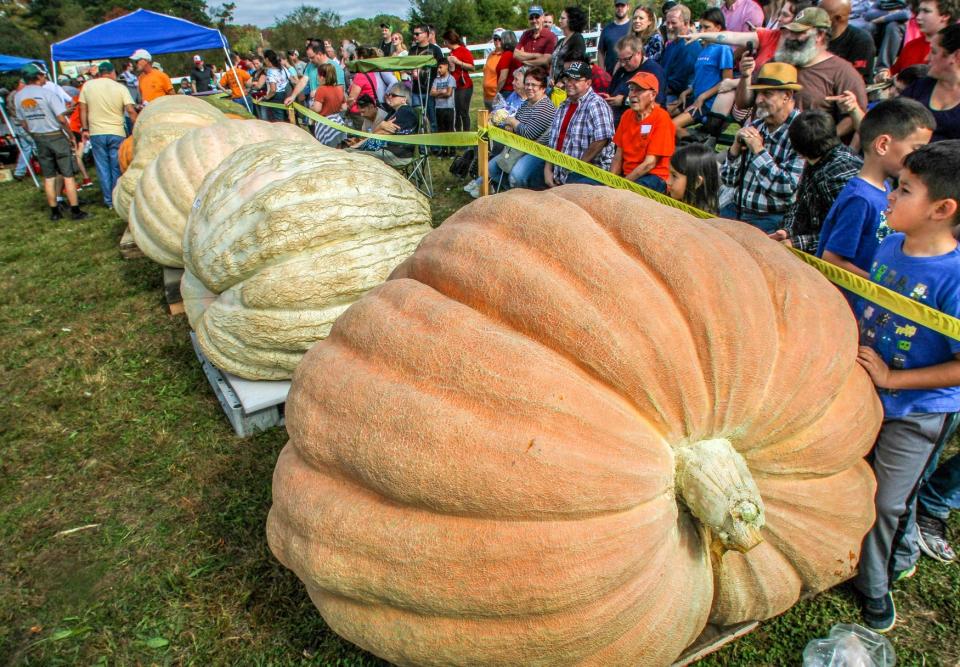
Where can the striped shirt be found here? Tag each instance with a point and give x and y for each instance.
(536, 119)
(592, 121)
(771, 178)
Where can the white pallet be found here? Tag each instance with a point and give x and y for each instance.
(250, 406)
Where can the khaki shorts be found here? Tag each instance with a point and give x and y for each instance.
(55, 155)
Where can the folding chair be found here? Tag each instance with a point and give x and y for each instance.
(417, 168)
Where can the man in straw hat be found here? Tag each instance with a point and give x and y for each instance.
(761, 166)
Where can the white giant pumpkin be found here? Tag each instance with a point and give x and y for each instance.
(282, 238)
(170, 183)
(162, 122)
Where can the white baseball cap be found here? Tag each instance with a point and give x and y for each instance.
(197, 58)
(141, 54)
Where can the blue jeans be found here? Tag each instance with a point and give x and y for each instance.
(653, 182)
(528, 173)
(941, 492)
(574, 177)
(767, 222)
(29, 148)
(105, 147)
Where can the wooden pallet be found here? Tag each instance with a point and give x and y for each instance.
(171, 289)
(713, 638)
(128, 247)
(249, 406)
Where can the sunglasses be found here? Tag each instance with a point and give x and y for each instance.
(417, 34)
(533, 17)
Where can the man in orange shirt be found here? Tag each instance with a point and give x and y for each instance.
(153, 82)
(645, 138)
(235, 80)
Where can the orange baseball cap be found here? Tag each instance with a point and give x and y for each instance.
(646, 80)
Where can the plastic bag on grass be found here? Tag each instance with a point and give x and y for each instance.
(849, 645)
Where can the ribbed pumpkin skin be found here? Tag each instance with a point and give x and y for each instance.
(283, 238)
(162, 122)
(170, 183)
(125, 153)
(481, 460)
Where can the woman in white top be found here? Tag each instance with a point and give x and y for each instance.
(278, 85)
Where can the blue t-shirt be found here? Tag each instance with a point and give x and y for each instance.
(609, 36)
(903, 344)
(856, 223)
(713, 59)
(678, 61)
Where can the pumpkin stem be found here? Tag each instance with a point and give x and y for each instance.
(714, 482)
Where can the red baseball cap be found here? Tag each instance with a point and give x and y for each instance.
(646, 80)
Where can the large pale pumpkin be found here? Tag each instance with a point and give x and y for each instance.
(283, 237)
(573, 428)
(161, 122)
(169, 184)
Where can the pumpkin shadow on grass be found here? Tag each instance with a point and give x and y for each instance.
(274, 601)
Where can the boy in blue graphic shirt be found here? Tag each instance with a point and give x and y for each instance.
(855, 225)
(916, 370)
(714, 64)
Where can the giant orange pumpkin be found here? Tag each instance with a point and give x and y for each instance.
(125, 153)
(573, 428)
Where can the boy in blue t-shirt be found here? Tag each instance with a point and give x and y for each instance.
(855, 225)
(714, 64)
(916, 370)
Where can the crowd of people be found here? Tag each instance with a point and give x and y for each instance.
(843, 126)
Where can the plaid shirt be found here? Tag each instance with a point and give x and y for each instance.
(592, 121)
(819, 188)
(772, 175)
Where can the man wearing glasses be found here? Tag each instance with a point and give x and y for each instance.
(423, 77)
(536, 44)
(632, 61)
(582, 127)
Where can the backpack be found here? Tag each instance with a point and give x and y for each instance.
(465, 165)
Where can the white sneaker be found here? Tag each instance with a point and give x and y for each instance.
(472, 185)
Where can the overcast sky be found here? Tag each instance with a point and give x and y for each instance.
(263, 14)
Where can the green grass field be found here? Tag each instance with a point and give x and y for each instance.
(107, 420)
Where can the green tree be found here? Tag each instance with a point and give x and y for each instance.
(292, 30)
(223, 14)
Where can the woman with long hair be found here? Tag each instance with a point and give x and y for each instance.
(399, 47)
(461, 64)
(939, 91)
(695, 177)
(328, 101)
(278, 85)
(644, 26)
(572, 47)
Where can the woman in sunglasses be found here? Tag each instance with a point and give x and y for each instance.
(490, 74)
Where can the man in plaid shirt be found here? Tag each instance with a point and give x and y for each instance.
(582, 127)
(762, 167)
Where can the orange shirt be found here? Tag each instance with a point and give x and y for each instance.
(490, 76)
(155, 84)
(75, 126)
(654, 135)
(228, 80)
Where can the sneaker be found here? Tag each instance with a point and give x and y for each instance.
(475, 183)
(903, 575)
(933, 538)
(87, 183)
(879, 614)
(79, 215)
(55, 214)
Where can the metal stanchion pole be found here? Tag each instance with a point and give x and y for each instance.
(483, 154)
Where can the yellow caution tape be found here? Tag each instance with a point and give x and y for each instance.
(886, 298)
(590, 171)
(896, 303)
(438, 139)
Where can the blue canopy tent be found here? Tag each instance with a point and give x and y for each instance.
(13, 63)
(142, 29)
